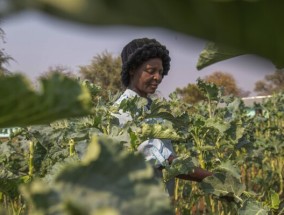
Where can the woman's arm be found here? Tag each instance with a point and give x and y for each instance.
(198, 173)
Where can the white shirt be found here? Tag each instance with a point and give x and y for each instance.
(156, 151)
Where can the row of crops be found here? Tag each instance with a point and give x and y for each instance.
(89, 165)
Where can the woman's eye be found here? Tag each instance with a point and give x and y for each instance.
(150, 71)
(153, 71)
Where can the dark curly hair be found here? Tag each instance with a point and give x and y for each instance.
(135, 53)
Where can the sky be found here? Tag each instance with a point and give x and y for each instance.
(38, 42)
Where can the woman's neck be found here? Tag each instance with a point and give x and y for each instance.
(138, 92)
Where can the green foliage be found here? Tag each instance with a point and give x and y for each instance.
(62, 70)
(218, 82)
(190, 94)
(4, 57)
(252, 208)
(223, 186)
(218, 138)
(104, 72)
(160, 131)
(181, 165)
(210, 90)
(59, 97)
(10, 183)
(226, 82)
(67, 171)
(108, 178)
(239, 25)
(213, 53)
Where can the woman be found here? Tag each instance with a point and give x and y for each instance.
(145, 62)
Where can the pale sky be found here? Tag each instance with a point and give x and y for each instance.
(37, 42)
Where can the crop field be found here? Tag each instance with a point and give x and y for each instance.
(88, 164)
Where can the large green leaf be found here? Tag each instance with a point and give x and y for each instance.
(252, 208)
(239, 24)
(183, 164)
(59, 97)
(223, 185)
(229, 167)
(160, 131)
(213, 53)
(108, 179)
(221, 126)
(210, 90)
(9, 183)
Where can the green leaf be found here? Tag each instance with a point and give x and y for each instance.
(237, 24)
(274, 200)
(213, 53)
(252, 208)
(164, 110)
(221, 126)
(108, 179)
(9, 183)
(58, 167)
(223, 185)
(59, 97)
(160, 131)
(183, 164)
(229, 167)
(210, 90)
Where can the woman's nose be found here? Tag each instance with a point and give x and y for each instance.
(158, 77)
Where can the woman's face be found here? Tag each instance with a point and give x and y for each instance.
(145, 79)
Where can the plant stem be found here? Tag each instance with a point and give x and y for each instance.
(71, 147)
(31, 158)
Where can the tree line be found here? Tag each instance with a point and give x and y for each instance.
(104, 72)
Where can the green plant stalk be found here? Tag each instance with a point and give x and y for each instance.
(217, 143)
(105, 130)
(246, 177)
(253, 174)
(15, 206)
(267, 133)
(209, 205)
(71, 147)
(214, 206)
(225, 208)
(273, 165)
(200, 155)
(281, 187)
(31, 158)
(199, 143)
(220, 207)
(176, 193)
(5, 201)
(209, 108)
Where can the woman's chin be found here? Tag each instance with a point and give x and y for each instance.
(152, 91)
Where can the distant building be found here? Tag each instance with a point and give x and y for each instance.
(7, 132)
(250, 101)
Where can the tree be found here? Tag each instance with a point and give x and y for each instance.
(272, 83)
(4, 58)
(104, 71)
(190, 94)
(227, 82)
(58, 69)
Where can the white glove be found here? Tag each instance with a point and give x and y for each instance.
(156, 151)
